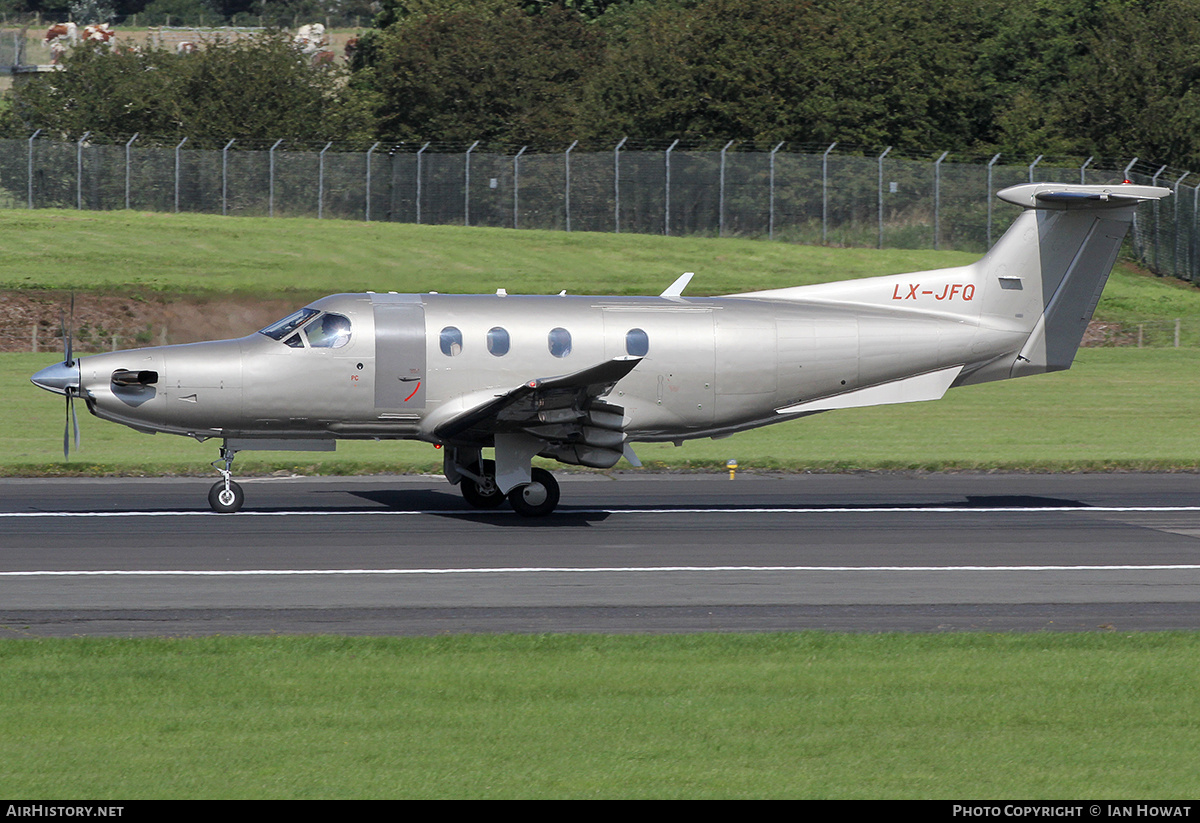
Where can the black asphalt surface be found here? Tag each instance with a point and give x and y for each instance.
(627, 552)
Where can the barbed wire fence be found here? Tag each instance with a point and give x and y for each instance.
(831, 195)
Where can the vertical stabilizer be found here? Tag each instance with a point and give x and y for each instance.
(1058, 255)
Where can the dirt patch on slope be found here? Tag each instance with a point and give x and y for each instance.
(133, 322)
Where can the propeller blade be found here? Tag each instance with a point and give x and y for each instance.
(67, 428)
(74, 419)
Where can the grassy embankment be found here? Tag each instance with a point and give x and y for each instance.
(805, 715)
(1118, 408)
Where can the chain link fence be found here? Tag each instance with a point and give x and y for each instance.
(804, 194)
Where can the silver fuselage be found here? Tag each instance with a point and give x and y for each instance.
(713, 365)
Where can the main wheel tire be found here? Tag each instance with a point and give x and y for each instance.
(479, 497)
(537, 498)
(226, 501)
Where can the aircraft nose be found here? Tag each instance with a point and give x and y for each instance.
(58, 378)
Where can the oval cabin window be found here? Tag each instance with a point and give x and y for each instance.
(560, 342)
(497, 341)
(451, 341)
(637, 343)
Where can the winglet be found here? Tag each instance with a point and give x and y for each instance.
(676, 288)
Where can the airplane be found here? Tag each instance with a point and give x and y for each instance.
(579, 379)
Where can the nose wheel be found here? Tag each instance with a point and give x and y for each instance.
(225, 496)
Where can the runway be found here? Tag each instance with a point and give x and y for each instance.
(625, 552)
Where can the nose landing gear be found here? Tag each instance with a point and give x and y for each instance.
(226, 496)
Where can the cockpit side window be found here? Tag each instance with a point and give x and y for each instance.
(284, 327)
(329, 331)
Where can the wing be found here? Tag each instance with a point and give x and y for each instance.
(564, 412)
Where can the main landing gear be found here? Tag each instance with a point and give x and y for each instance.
(477, 482)
(226, 496)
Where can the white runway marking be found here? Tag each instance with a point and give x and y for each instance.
(680, 510)
(586, 570)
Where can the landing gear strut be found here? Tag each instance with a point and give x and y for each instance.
(482, 493)
(226, 496)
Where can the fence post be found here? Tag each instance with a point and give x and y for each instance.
(128, 153)
(1192, 267)
(1034, 163)
(177, 148)
(367, 210)
(567, 181)
(1175, 226)
(1138, 249)
(721, 194)
(79, 170)
(467, 187)
(771, 195)
(1083, 171)
(991, 163)
(31, 139)
(419, 153)
(825, 192)
(937, 201)
(1157, 222)
(1176, 332)
(517, 183)
(225, 178)
(271, 179)
(321, 181)
(667, 201)
(885, 151)
(617, 186)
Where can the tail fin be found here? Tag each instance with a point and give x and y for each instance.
(1055, 260)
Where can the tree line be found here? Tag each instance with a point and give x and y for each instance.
(1110, 78)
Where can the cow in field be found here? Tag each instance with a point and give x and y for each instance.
(311, 38)
(58, 37)
(97, 33)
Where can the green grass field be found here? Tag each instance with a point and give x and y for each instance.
(806, 715)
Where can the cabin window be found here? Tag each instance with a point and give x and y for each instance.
(560, 342)
(329, 331)
(451, 341)
(497, 341)
(637, 343)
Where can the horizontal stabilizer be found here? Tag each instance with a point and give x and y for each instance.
(1064, 196)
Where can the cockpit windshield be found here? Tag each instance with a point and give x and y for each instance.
(284, 327)
(321, 330)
